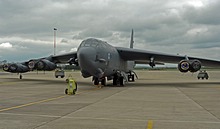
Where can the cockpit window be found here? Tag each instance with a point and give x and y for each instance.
(89, 43)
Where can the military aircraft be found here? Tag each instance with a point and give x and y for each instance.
(100, 60)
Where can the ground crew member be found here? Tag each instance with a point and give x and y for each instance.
(71, 86)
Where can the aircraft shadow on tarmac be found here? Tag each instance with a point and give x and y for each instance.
(35, 81)
(132, 84)
(174, 84)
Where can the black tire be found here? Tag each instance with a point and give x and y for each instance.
(114, 81)
(96, 81)
(132, 78)
(129, 78)
(66, 91)
(56, 76)
(198, 77)
(121, 79)
(103, 82)
(202, 78)
(62, 76)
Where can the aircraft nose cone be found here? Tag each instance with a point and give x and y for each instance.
(86, 57)
(87, 61)
(86, 54)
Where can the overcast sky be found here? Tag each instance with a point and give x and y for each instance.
(187, 27)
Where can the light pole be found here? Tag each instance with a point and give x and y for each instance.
(54, 40)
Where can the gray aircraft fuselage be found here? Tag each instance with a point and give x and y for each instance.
(99, 59)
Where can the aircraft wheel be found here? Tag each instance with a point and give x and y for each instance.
(121, 79)
(129, 78)
(132, 78)
(103, 82)
(114, 81)
(96, 81)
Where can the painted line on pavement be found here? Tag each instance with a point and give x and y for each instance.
(7, 83)
(42, 101)
(32, 103)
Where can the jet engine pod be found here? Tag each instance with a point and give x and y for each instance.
(189, 65)
(195, 65)
(15, 68)
(184, 66)
(45, 64)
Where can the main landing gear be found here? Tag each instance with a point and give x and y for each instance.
(119, 79)
(96, 81)
(131, 78)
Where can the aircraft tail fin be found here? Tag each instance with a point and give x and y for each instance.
(132, 39)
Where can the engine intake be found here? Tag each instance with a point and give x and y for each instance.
(189, 65)
(45, 64)
(31, 64)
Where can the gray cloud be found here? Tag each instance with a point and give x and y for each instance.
(168, 26)
(208, 15)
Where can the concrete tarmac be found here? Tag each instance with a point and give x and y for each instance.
(157, 100)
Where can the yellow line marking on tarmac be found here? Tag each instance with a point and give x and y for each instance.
(41, 101)
(32, 103)
(7, 83)
(150, 124)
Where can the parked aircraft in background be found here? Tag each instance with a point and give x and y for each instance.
(100, 60)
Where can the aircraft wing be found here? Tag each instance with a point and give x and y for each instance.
(137, 55)
(64, 58)
(147, 62)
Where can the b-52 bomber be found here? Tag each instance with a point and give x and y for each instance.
(101, 61)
